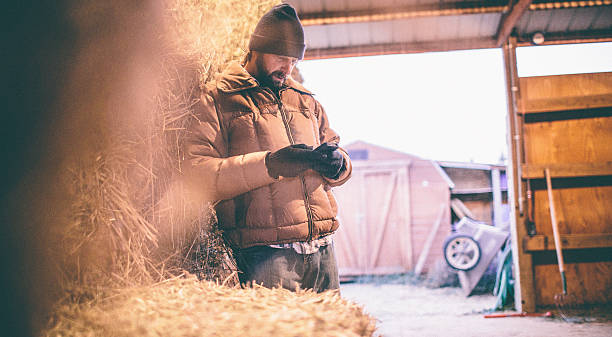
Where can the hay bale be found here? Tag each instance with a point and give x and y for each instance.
(185, 306)
(131, 225)
(131, 219)
(118, 216)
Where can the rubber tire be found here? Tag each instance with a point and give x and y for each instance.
(454, 237)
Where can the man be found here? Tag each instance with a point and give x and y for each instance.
(261, 144)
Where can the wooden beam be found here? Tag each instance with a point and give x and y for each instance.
(575, 92)
(402, 12)
(568, 241)
(460, 209)
(524, 287)
(509, 21)
(553, 104)
(399, 48)
(536, 171)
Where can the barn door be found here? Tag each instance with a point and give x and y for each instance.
(374, 210)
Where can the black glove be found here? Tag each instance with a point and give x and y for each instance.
(331, 162)
(292, 160)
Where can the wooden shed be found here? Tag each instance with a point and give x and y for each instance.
(480, 192)
(564, 124)
(392, 207)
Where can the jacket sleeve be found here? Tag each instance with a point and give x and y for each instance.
(208, 168)
(328, 135)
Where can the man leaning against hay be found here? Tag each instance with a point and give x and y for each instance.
(262, 146)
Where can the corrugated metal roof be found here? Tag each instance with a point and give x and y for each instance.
(336, 28)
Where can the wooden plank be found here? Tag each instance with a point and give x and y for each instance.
(567, 170)
(460, 209)
(406, 240)
(589, 282)
(457, 210)
(565, 92)
(569, 141)
(567, 103)
(351, 215)
(580, 210)
(384, 221)
(363, 233)
(430, 238)
(568, 241)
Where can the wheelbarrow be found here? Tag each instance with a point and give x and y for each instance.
(470, 250)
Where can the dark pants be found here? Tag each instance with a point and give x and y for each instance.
(273, 267)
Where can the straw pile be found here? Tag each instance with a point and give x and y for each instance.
(132, 217)
(188, 307)
(134, 229)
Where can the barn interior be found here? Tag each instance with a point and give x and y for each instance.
(66, 67)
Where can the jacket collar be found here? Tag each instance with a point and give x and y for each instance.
(235, 78)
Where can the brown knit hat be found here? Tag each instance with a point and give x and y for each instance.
(279, 32)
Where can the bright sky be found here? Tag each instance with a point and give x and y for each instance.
(443, 106)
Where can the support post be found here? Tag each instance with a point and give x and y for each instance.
(497, 197)
(523, 264)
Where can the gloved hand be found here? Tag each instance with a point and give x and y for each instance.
(291, 160)
(331, 162)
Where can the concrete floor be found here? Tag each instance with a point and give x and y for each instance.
(413, 310)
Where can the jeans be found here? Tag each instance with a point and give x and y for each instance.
(284, 267)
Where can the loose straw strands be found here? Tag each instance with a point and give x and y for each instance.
(188, 307)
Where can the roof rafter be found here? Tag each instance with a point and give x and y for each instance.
(403, 12)
(399, 48)
(509, 20)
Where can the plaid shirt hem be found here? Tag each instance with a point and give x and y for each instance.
(306, 247)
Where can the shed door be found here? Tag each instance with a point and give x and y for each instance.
(374, 209)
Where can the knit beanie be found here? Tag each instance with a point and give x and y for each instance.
(279, 32)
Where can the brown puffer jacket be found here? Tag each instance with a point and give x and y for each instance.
(237, 123)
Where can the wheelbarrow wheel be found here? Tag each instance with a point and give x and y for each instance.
(462, 252)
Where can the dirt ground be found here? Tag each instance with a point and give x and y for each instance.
(414, 310)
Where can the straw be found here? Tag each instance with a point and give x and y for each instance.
(184, 306)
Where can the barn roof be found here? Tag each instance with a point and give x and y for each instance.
(363, 151)
(471, 166)
(342, 28)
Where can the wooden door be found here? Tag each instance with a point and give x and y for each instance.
(374, 210)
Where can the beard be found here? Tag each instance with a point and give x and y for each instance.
(274, 80)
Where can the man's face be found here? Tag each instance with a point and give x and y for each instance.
(272, 70)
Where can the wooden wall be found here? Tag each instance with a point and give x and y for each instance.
(428, 190)
(469, 179)
(481, 208)
(565, 124)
